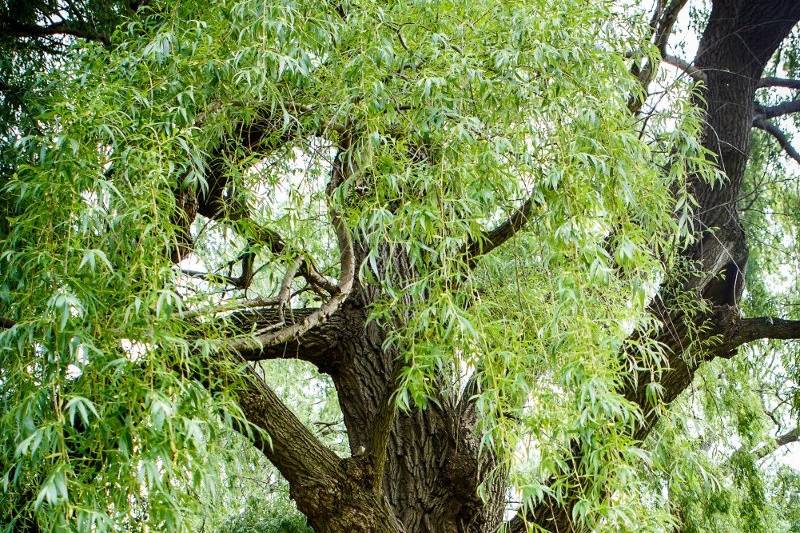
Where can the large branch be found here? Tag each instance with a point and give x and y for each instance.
(17, 29)
(317, 345)
(785, 108)
(779, 136)
(291, 446)
(753, 329)
(778, 82)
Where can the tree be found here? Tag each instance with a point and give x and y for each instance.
(508, 260)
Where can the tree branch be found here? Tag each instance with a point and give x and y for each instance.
(778, 82)
(793, 435)
(63, 27)
(316, 345)
(779, 135)
(489, 240)
(785, 108)
(753, 329)
(300, 457)
(685, 66)
(340, 292)
(664, 24)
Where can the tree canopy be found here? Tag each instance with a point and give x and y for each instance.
(448, 266)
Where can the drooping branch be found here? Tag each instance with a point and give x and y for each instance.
(779, 136)
(787, 83)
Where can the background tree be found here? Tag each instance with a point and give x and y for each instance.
(510, 263)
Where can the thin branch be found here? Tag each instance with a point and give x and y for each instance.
(779, 135)
(685, 66)
(210, 277)
(779, 82)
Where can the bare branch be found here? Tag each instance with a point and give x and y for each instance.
(64, 27)
(779, 82)
(685, 66)
(666, 21)
(785, 108)
(789, 437)
(753, 329)
(292, 447)
(662, 22)
(317, 345)
(779, 135)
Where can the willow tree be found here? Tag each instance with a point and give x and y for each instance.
(509, 261)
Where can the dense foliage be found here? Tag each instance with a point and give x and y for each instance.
(146, 173)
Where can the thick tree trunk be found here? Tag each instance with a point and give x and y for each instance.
(432, 469)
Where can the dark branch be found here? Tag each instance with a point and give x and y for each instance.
(315, 345)
(18, 29)
(779, 82)
(753, 329)
(664, 24)
(788, 437)
(785, 108)
(779, 135)
(292, 447)
(489, 240)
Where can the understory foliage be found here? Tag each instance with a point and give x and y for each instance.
(118, 381)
